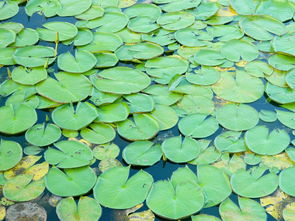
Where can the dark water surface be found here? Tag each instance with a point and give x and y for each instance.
(161, 170)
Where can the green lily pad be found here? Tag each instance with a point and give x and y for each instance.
(209, 57)
(57, 31)
(282, 62)
(34, 56)
(10, 154)
(290, 79)
(198, 125)
(258, 68)
(28, 76)
(22, 188)
(173, 6)
(109, 22)
(282, 44)
(247, 210)
(68, 117)
(70, 182)
(32, 150)
(287, 118)
(267, 115)
(106, 151)
(288, 212)
(6, 37)
(142, 24)
(204, 76)
(114, 190)
(253, 183)
(176, 20)
(190, 37)
(140, 103)
(143, 50)
(143, 127)
(281, 95)
(106, 59)
(112, 112)
(67, 88)
(82, 61)
(98, 133)
(8, 9)
(244, 7)
(43, 135)
(16, 118)
(230, 141)
(69, 154)
(285, 181)
(87, 209)
(163, 69)
(235, 50)
(98, 97)
(84, 37)
(103, 41)
(48, 8)
(243, 117)
(165, 116)
(121, 80)
(143, 9)
(202, 217)
(239, 87)
(261, 141)
(73, 7)
(180, 150)
(182, 195)
(214, 183)
(6, 56)
(142, 153)
(95, 11)
(262, 27)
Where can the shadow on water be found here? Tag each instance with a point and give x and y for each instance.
(161, 170)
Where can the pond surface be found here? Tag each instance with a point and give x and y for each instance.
(161, 170)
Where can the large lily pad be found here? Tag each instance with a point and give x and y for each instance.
(261, 141)
(43, 135)
(180, 150)
(8, 9)
(57, 31)
(253, 183)
(142, 153)
(69, 154)
(87, 209)
(10, 154)
(70, 182)
(247, 210)
(121, 80)
(182, 195)
(16, 118)
(114, 190)
(285, 181)
(243, 117)
(68, 117)
(28, 76)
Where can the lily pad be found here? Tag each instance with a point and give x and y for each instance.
(67, 88)
(209, 57)
(10, 154)
(16, 118)
(82, 62)
(57, 31)
(165, 116)
(204, 76)
(69, 154)
(243, 117)
(267, 115)
(114, 190)
(238, 87)
(143, 127)
(121, 80)
(43, 135)
(6, 37)
(230, 141)
(112, 112)
(198, 125)
(34, 56)
(214, 183)
(261, 141)
(140, 103)
(98, 133)
(28, 76)
(142, 153)
(176, 20)
(106, 151)
(282, 95)
(286, 118)
(73, 7)
(70, 182)
(285, 183)
(87, 209)
(8, 9)
(68, 117)
(180, 150)
(254, 183)
(247, 209)
(22, 188)
(182, 195)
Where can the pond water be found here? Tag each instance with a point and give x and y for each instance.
(159, 171)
